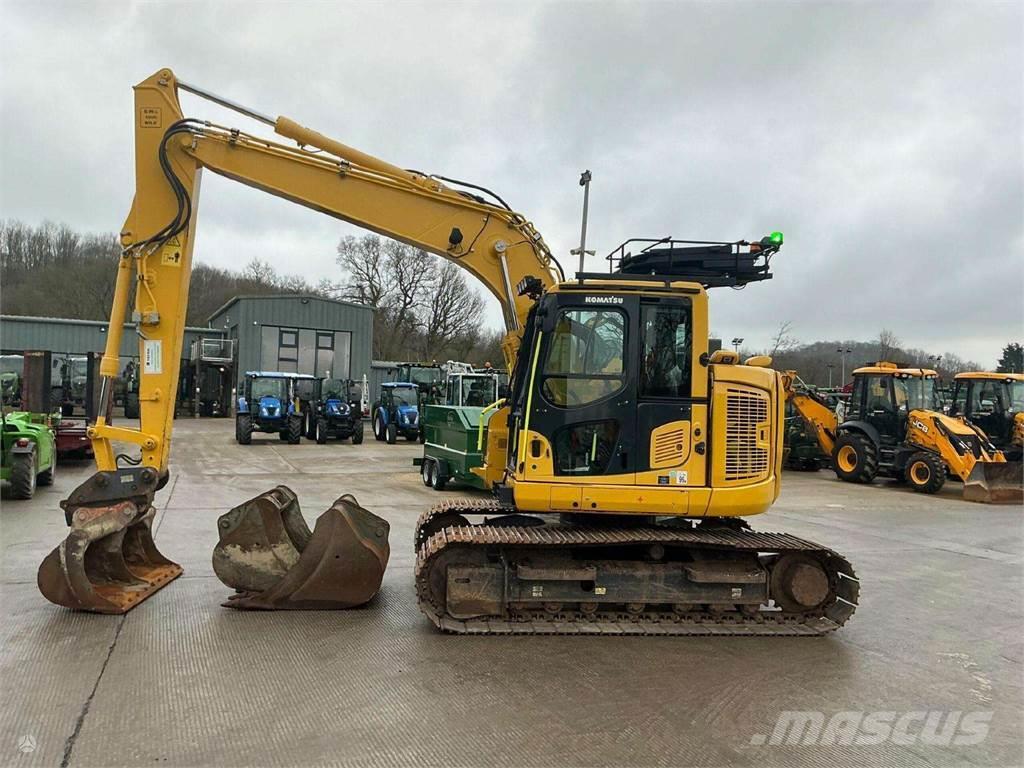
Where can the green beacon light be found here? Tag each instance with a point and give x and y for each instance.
(775, 238)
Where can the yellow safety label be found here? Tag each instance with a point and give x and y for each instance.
(170, 254)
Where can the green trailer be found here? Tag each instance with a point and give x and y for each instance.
(455, 430)
(29, 453)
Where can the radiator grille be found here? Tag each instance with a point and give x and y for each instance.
(746, 416)
(670, 447)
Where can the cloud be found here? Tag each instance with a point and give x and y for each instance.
(883, 139)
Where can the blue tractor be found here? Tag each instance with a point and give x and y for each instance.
(396, 412)
(268, 404)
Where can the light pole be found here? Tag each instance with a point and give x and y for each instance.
(830, 366)
(736, 343)
(582, 251)
(843, 352)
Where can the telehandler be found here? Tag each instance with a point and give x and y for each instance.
(629, 454)
(894, 428)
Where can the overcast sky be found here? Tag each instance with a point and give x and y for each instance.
(883, 140)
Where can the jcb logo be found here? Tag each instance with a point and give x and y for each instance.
(921, 425)
(602, 299)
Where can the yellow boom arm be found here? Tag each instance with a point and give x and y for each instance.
(497, 245)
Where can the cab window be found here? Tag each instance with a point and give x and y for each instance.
(959, 406)
(986, 398)
(665, 361)
(878, 394)
(585, 357)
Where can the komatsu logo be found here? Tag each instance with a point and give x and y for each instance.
(602, 299)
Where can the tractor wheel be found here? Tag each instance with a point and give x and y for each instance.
(23, 476)
(49, 475)
(392, 433)
(309, 426)
(378, 428)
(437, 478)
(357, 435)
(414, 438)
(321, 431)
(294, 433)
(425, 469)
(855, 458)
(243, 429)
(925, 472)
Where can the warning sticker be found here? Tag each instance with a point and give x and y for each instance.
(153, 353)
(150, 117)
(170, 254)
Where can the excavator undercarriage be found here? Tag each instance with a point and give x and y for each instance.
(525, 574)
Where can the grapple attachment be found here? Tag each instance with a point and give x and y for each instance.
(267, 553)
(108, 563)
(995, 483)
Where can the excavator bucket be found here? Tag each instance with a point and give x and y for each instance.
(108, 563)
(269, 556)
(995, 483)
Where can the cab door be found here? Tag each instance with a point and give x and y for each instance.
(672, 397)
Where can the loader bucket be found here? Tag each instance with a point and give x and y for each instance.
(108, 563)
(995, 483)
(275, 567)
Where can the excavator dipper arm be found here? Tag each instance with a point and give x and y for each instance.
(109, 562)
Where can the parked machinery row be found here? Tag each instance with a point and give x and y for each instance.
(894, 427)
(293, 405)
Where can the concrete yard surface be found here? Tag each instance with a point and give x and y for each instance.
(927, 672)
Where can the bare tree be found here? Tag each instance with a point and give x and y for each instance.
(363, 264)
(783, 341)
(888, 344)
(454, 310)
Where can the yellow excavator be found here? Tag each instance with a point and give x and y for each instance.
(623, 460)
(894, 428)
(995, 403)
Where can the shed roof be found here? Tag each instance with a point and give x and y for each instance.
(300, 296)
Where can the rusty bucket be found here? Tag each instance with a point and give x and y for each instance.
(996, 483)
(108, 563)
(269, 556)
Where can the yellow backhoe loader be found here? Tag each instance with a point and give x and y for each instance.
(894, 428)
(623, 461)
(995, 403)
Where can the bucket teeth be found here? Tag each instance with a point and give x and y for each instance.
(264, 555)
(108, 563)
(996, 483)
